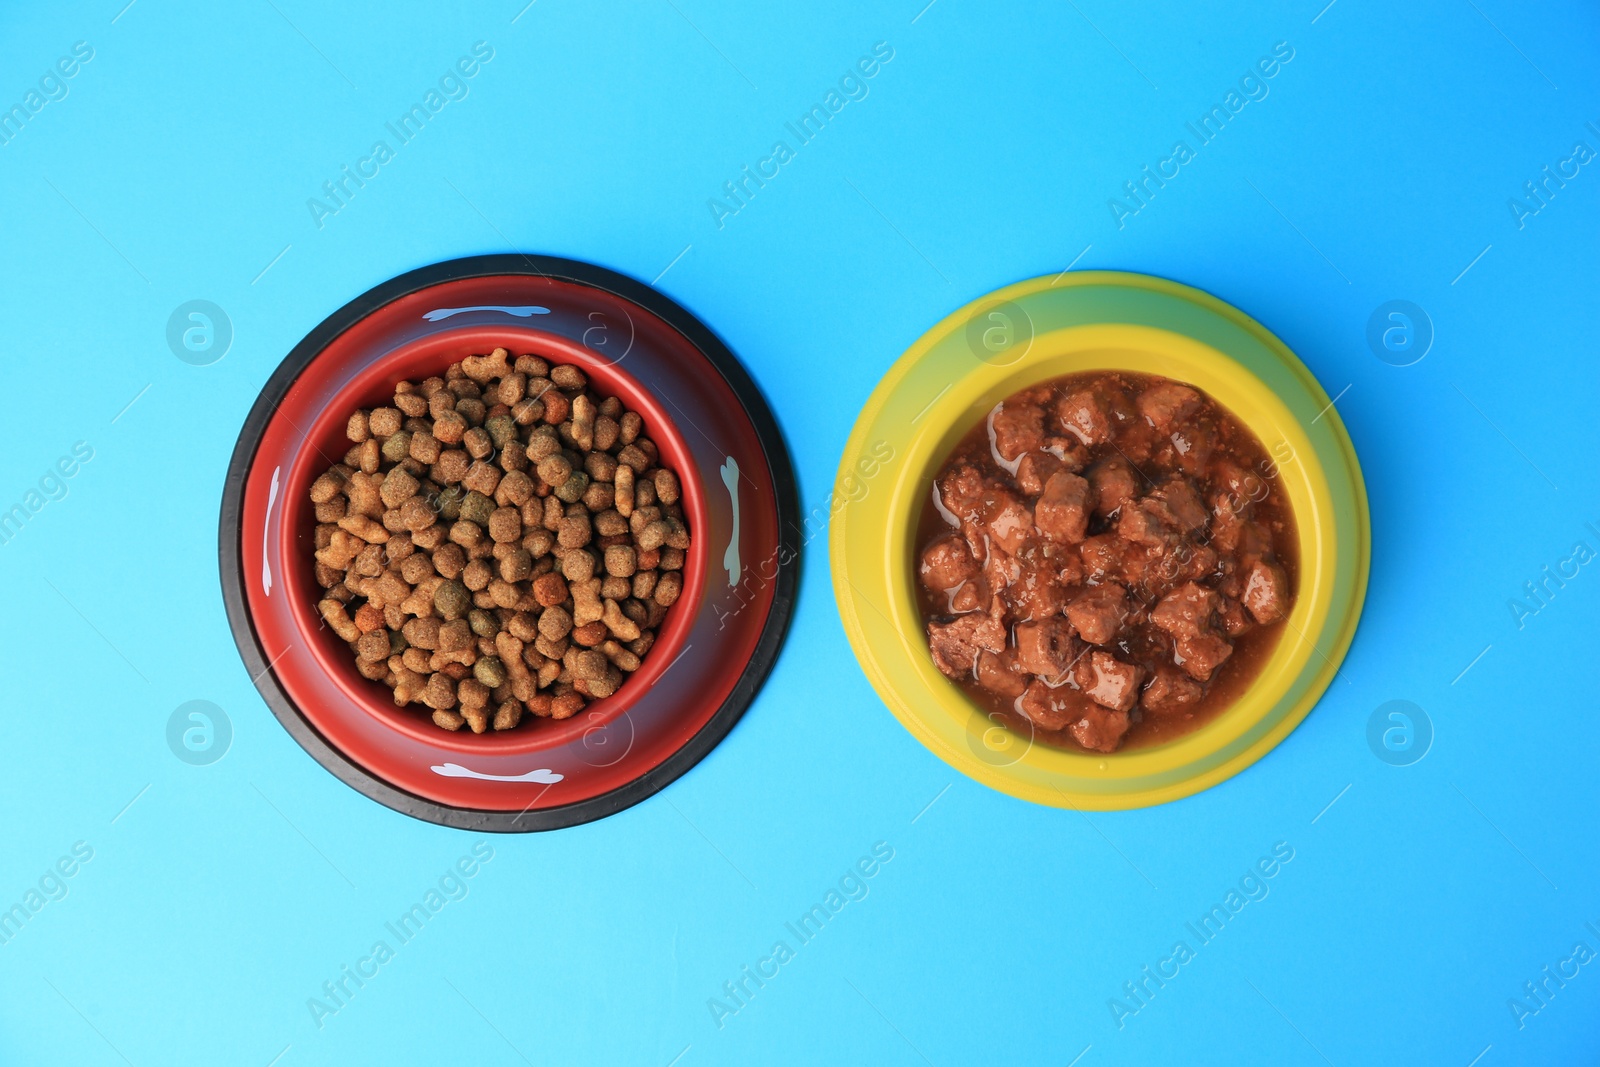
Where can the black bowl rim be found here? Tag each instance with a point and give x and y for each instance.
(750, 680)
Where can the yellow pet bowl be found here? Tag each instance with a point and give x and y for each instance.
(1041, 329)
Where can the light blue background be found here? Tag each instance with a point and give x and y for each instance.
(1379, 167)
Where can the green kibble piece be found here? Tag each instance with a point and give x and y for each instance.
(452, 600)
(476, 508)
(490, 671)
(397, 447)
(483, 623)
(502, 430)
(450, 499)
(573, 488)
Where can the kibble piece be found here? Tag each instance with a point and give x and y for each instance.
(516, 566)
(644, 583)
(600, 687)
(481, 477)
(490, 671)
(452, 600)
(584, 414)
(412, 404)
(472, 694)
(553, 647)
(606, 431)
(666, 486)
(577, 565)
(566, 705)
(513, 458)
(624, 498)
(635, 457)
(455, 636)
(397, 447)
(373, 646)
(600, 467)
(398, 486)
(507, 715)
(550, 589)
(338, 619)
(440, 693)
(451, 466)
(621, 561)
(654, 534)
(384, 421)
(416, 514)
(327, 486)
(621, 627)
(487, 368)
(574, 531)
(465, 533)
(567, 376)
(554, 469)
(476, 575)
(505, 524)
(450, 428)
(478, 443)
(668, 589)
(590, 634)
(426, 448)
(556, 407)
(586, 663)
(555, 622)
(504, 594)
(477, 507)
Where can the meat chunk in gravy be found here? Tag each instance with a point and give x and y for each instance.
(1062, 510)
(1108, 681)
(956, 644)
(1108, 560)
(1266, 591)
(1097, 612)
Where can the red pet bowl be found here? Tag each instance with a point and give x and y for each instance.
(718, 642)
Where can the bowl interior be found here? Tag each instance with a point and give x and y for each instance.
(1240, 392)
(372, 384)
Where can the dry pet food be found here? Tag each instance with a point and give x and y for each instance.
(1108, 557)
(500, 541)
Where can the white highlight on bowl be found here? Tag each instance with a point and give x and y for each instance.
(521, 312)
(543, 775)
(730, 558)
(266, 524)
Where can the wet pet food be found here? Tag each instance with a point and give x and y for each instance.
(500, 541)
(1106, 558)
